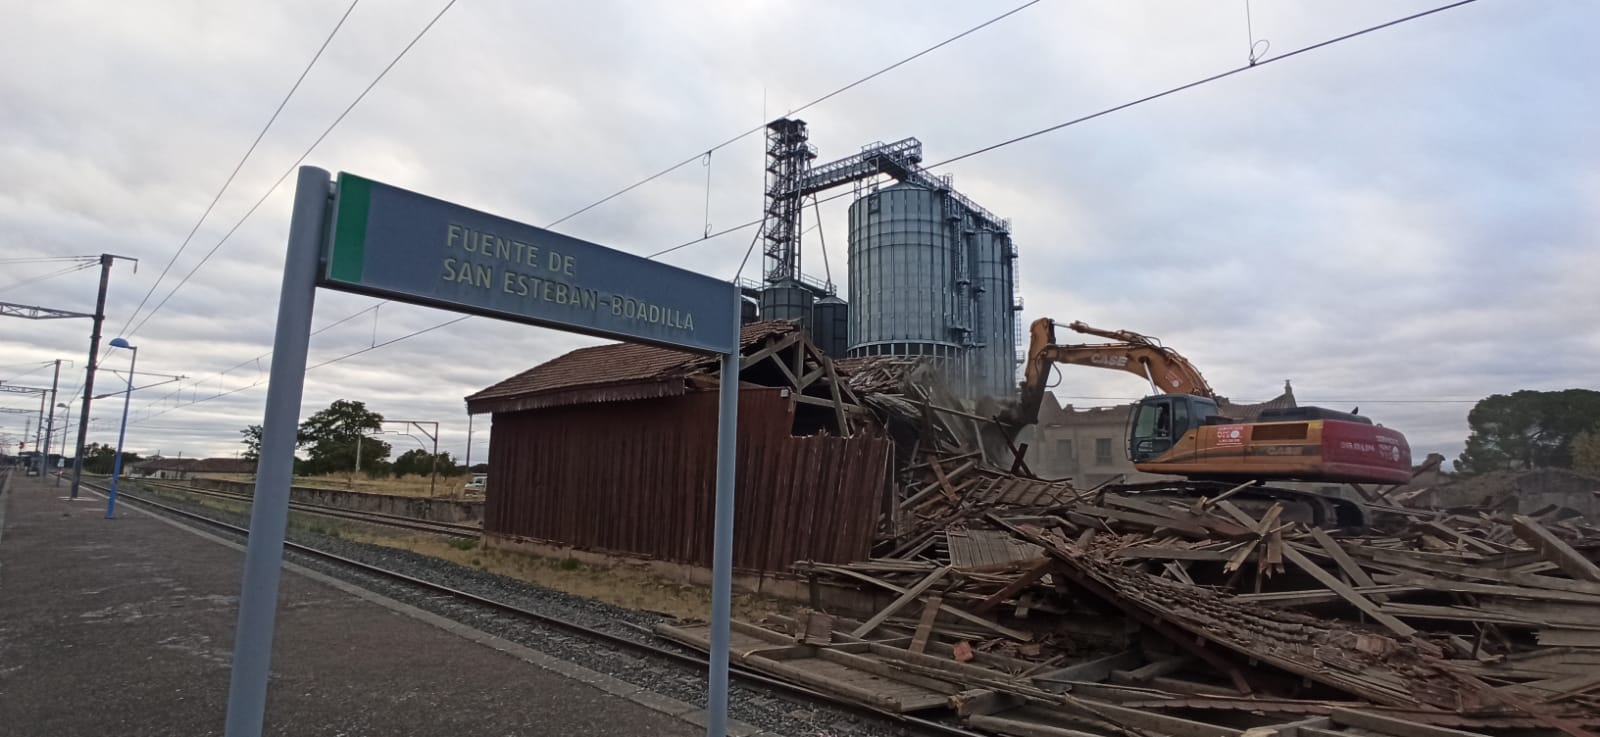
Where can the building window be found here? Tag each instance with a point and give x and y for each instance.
(1102, 451)
(1064, 450)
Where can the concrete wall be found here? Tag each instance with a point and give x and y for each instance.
(436, 510)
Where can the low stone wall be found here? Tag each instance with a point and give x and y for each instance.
(435, 510)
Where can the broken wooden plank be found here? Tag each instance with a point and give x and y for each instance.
(958, 613)
(1348, 594)
(930, 612)
(1385, 724)
(1553, 549)
(905, 598)
(1357, 574)
(1033, 574)
(1098, 669)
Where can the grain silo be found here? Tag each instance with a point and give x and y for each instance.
(931, 274)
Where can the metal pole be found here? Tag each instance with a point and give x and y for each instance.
(88, 379)
(434, 478)
(38, 436)
(269, 512)
(50, 422)
(722, 542)
(469, 442)
(66, 429)
(116, 466)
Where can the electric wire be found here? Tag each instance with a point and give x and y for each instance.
(36, 279)
(819, 100)
(237, 167)
(967, 155)
(46, 259)
(1104, 112)
(296, 164)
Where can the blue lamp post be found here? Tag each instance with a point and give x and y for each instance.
(127, 396)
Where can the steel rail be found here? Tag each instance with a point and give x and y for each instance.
(920, 725)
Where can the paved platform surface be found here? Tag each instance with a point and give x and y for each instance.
(125, 627)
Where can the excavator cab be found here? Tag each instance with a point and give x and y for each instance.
(1160, 421)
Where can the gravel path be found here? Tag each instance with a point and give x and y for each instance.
(755, 706)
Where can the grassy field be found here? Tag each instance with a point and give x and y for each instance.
(409, 486)
(619, 584)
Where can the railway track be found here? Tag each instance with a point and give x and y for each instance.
(452, 529)
(917, 726)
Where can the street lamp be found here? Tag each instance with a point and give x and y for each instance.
(127, 397)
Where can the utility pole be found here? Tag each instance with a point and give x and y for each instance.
(38, 435)
(50, 426)
(94, 356)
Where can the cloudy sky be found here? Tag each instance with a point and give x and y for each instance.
(1404, 221)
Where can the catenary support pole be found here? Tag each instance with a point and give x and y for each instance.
(88, 377)
(722, 543)
(50, 419)
(269, 512)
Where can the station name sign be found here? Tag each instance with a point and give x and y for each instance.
(393, 243)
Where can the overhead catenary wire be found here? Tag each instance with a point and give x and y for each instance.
(792, 111)
(246, 157)
(268, 193)
(961, 157)
(704, 155)
(43, 277)
(1106, 111)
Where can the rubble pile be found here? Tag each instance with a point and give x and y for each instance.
(1033, 607)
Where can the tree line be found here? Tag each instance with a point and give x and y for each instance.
(1534, 429)
(340, 438)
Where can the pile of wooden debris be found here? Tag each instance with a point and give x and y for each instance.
(1031, 607)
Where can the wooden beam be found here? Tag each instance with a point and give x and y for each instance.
(946, 608)
(1017, 584)
(1385, 724)
(770, 349)
(1336, 551)
(1552, 548)
(1098, 669)
(1348, 594)
(930, 612)
(905, 598)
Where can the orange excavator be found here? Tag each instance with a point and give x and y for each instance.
(1182, 431)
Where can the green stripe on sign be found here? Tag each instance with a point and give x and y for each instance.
(350, 229)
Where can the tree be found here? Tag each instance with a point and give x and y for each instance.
(252, 443)
(1528, 429)
(420, 462)
(101, 459)
(1586, 452)
(330, 438)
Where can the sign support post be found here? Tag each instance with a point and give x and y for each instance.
(722, 541)
(269, 509)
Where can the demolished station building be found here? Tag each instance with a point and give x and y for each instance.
(1025, 606)
(612, 450)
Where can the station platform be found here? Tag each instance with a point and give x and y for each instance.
(125, 627)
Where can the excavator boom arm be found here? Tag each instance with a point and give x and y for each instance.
(1136, 354)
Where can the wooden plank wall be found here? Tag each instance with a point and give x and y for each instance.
(637, 478)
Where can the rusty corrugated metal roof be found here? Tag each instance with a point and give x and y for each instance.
(609, 373)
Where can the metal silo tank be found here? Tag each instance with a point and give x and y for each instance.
(902, 274)
(993, 263)
(787, 301)
(830, 326)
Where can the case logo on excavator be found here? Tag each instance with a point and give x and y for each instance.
(1111, 361)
